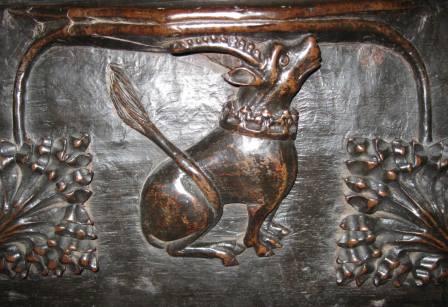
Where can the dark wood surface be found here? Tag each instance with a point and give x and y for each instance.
(360, 89)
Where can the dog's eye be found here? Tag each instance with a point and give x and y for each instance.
(284, 60)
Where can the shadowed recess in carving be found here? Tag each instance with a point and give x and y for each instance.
(401, 231)
(44, 225)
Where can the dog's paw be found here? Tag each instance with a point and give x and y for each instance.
(233, 247)
(270, 240)
(229, 260)
(277, 230)
(263, 250)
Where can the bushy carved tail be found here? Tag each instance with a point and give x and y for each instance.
(132, 112)
(126, 101)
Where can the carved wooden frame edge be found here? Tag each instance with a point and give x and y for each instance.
(83, 24)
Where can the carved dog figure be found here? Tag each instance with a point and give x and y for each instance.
(250, 158)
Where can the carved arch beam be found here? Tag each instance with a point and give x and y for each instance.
(127, 28)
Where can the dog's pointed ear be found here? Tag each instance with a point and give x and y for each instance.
(242, 76)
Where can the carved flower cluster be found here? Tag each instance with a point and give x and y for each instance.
(44, 225)
(401, 233)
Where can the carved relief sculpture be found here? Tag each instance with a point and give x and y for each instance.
(250, 159)
(400, 233)
(44, 225)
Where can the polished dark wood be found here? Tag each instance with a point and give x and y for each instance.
(401, 230)
(250, 159)
(113, 27)
(381, 81)
(44, 225)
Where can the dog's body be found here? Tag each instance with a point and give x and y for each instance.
(250, 159)
(244, 170)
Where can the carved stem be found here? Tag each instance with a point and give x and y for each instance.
(85, 25)
(426, 216)
(21, 79)
(431, 240)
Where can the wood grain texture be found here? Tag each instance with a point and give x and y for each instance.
(361, 89)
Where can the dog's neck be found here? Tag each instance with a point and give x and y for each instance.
(263, 124)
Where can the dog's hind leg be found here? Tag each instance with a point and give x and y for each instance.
(186, 247)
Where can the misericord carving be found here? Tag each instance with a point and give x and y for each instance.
(250, 159)
(117, 28)
(44, 225)
(401, 231)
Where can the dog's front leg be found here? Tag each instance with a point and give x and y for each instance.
(254, 236)
(272, 231)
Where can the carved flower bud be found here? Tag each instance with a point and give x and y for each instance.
(7, 153)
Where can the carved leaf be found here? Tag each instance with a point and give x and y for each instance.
(401, 231)
(44, 225)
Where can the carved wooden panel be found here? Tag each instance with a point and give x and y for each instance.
(400, 190)
(250, 154)
(45, 226)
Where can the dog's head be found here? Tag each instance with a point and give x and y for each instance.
(271, 72)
